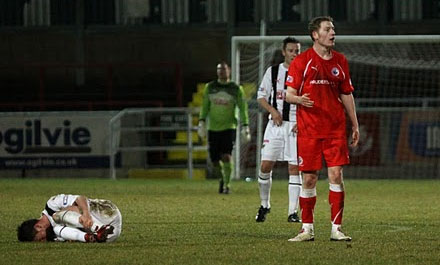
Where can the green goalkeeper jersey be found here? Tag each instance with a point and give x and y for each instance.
(219, 106)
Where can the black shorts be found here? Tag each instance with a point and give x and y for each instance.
(220, 143)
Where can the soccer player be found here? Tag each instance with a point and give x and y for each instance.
(279, 142)
(319, 84)
(74, 218)
(220, 99)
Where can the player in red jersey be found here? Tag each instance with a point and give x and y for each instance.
(319, 83)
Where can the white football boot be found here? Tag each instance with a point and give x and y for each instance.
(304, 235)
(338, 235)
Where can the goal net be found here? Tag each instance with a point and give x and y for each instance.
(397, 94)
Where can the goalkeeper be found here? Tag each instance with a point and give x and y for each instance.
(220, 99)
(74, 218)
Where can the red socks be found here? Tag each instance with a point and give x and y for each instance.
(336, 201)
(307, 207)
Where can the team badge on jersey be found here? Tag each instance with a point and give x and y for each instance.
(300, 161)
(289, 79)
(335, 71)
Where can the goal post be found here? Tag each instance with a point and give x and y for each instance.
(397, 94)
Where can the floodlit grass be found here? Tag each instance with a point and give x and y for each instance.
(187, 222)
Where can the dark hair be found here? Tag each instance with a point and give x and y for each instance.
(26, 231)
(315, 23)
(289, 40)
(50, 234)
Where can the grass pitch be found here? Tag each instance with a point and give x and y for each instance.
(188, 222)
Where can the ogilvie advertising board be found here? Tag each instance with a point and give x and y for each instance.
(46, 140)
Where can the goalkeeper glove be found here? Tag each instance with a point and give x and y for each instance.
(246, 133)
(201, 130)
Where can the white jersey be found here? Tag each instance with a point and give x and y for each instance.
(103, 212)
(277, 98)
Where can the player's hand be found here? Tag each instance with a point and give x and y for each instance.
(276, 118)
(355, 137)
(86, 221)
(201, 130)
(305, 101)
(246, 133)
(295, 128)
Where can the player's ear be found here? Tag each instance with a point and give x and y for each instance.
(315, 35)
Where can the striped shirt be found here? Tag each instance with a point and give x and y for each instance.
(276, 98)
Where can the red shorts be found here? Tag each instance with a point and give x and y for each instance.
(311, 150)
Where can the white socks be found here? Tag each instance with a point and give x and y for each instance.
(265, 184)
(294, 189)
(68, 233)
(68, 218)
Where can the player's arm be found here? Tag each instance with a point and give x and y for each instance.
(85, 219)
(263, 95)
(350, 108)
(293, 98)
(275, 114)
(204, 110)
(243, 107)
(201, 130)
(244, 115)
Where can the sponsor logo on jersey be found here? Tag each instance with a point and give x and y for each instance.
(335, 71)
(319, 82)
(281, 95)
(314, 68)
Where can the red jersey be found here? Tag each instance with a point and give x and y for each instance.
(324, 80)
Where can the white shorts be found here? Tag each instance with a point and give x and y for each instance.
(279, 143)
(104, 212)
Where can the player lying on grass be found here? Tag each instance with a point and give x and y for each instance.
(74, 218)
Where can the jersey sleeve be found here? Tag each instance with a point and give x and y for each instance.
(295, 74)
(58, 202)
(205, 103)
(242, 106)
(346, 86)
(266, 85)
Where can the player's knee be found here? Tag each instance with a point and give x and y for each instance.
(266, 166)
(293, 169)
(264, 178)
(335, 175)
(310, 179)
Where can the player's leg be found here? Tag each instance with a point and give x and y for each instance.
(309, 159)
(264, 186)
(225, 148)
(294, 190)
(214, 155)
(226, 168)
(273, 143)
(70, 233)
(106, 212)
(336, 155)
(69, 217)
(295, 181)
